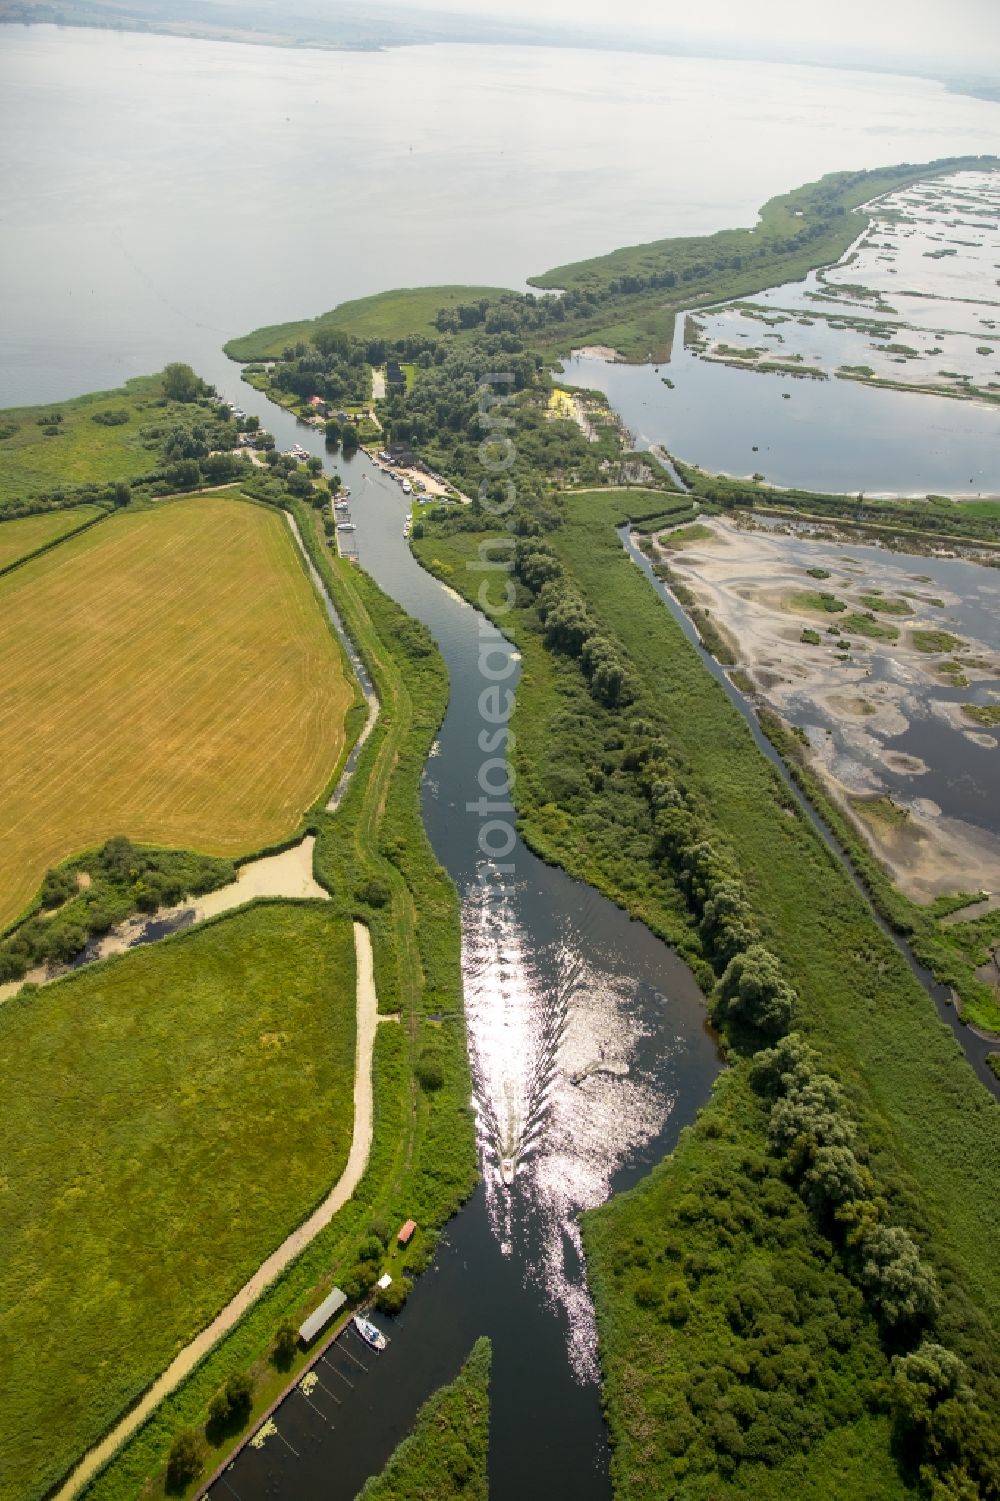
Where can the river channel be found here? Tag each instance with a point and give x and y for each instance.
(589, 1051)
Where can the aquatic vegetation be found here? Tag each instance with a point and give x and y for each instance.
(987, 715)
(446, 1453)
(877, 601)
(880, 810)
(934, 641)
(868, 625)
(811, 599)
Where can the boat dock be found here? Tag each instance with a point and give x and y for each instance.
(338, 1365)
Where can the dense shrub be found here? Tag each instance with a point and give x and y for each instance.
(900, 1287)
(754, 992)
(430, 1071)
(185, 1461)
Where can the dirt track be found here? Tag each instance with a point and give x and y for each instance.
(192, 1354)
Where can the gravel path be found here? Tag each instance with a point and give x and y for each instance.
(192, 1354)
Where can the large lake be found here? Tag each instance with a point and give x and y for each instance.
(160, 195)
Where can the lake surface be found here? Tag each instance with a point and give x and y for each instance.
(161, 195)
(834, 436)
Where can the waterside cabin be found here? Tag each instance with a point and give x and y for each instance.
(321, 1316)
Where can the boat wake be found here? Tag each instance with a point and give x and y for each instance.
(560, 1097)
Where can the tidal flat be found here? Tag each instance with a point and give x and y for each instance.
(914, 304)
(873, 657)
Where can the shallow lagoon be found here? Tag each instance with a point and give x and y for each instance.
(882, 717)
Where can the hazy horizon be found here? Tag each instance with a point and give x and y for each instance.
(895, 36)
(897, 31)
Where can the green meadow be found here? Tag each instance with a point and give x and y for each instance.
(169, 1117)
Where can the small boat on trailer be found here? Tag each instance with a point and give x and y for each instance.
(369, 1333)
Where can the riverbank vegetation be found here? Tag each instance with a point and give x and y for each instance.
(445, 1456)
(157, 435)
(374, 856)
(129, 702)
(169, 1116)
(731, 1276)
(896, 522)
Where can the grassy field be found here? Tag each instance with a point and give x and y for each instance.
(423, 1155)
(387, 315)
(445, 1455)
(19, 539)
(715, 1215)
(168, 675)
(38, 453)
(168, 1118)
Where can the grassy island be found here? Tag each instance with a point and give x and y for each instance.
(445, 1455)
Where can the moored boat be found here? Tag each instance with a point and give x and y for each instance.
(369, 1333)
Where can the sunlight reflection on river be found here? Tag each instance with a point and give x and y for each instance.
(561, 1096)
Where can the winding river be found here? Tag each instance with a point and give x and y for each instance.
(589, 1051)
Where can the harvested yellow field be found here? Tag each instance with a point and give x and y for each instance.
(29, 533)
(168, 675)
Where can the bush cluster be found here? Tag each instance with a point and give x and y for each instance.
(124, 878)
(569, 625)
(946, 1436)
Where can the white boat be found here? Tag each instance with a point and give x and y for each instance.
(346, 526)
(369, 1333)
(507, 1170)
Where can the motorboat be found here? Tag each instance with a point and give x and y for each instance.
(346, 526)
(369, 1333)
